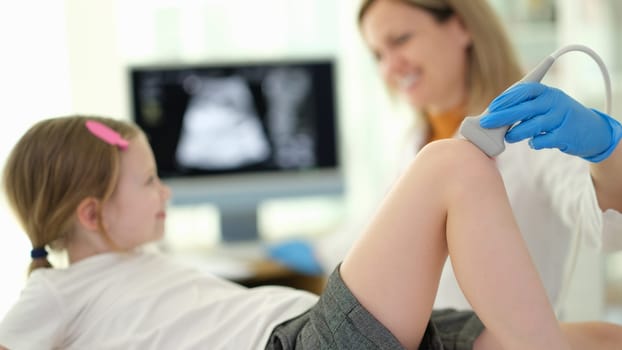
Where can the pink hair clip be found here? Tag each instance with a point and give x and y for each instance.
(106, 134)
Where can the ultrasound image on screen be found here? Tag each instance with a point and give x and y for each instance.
(221, 128)
(237, 118)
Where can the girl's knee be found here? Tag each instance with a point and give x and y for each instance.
(455, 156)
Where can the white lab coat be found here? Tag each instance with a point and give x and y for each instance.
(555, 205)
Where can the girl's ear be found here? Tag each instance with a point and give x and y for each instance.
(87, 213)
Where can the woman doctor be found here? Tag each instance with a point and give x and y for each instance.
(449, 59)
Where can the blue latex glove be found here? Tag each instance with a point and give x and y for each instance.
(551, 119)
(297, 255)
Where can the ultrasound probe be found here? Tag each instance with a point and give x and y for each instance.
(491, 141)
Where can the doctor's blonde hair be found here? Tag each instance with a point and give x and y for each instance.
(54, 166)
(493, 65)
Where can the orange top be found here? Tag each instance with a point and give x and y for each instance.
(444, 125)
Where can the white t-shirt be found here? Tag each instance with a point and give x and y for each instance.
(144, 301)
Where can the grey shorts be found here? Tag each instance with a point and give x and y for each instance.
(339, 321)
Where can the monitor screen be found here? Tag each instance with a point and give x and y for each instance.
(236, 134)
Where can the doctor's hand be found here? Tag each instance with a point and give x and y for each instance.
(297, 255)
(551, 119)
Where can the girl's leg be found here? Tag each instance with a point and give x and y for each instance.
(451, 199)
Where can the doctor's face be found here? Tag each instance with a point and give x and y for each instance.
(419, 57)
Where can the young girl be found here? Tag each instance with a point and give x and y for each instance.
(89, 185)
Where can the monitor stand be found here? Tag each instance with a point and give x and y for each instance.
(238, 222)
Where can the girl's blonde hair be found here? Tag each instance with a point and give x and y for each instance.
(54, 166)
(493, 66)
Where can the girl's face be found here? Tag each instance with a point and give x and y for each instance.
(135, 213)
(420, 58)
